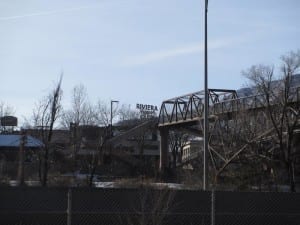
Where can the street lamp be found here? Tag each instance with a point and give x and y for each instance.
(111, 116)
(206, 104)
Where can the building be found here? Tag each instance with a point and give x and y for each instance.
(10, 146)
(191, 150)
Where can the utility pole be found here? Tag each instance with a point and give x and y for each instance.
(206, 105)
(111, 116)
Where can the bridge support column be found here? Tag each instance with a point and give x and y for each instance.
(164, 148)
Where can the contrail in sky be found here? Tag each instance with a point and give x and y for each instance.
(179, 51)
(45, 13)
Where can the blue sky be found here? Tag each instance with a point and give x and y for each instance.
(136, 51)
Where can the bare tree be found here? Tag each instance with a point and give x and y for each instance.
(81, 111)
(84, 116)
(253, 143)
(45, 115)
(279, 99)
(6, 110)
(178, 139)
(102, 119)
(96, 159)
(235, 146)
(103, 113)
(128, 114)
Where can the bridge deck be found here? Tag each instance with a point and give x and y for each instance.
(189, 109)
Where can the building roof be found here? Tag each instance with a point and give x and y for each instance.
(13, 140)
(58, 136)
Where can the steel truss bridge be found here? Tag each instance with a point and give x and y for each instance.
(190, 108)
(229, 117)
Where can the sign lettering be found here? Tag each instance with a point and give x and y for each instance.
(145, 107)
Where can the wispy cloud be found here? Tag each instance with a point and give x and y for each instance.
(179, 51)
(45, 13)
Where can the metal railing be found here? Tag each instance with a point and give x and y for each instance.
(190, 107)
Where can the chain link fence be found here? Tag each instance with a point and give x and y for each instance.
(145, 206)
(33, 206)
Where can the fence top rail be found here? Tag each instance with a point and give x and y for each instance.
(133, 189)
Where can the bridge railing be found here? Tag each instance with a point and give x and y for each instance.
(192, 107)
(236, 105)
(251, 102)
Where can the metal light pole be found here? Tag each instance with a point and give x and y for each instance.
(111, 116)
(206, 105)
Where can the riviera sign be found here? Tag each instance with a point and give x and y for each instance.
(145, 107)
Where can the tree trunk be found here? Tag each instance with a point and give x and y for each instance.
(92, 174)
(291, 177)
(174, 158)
(21, 160)
(45, 169)
(40, 168)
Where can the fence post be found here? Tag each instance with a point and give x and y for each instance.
(69, 209)
(213, 202)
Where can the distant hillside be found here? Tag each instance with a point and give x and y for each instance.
(248, 91)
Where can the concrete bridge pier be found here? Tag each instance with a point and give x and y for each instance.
(164, 148)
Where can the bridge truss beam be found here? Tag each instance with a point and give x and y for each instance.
(190, 107)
